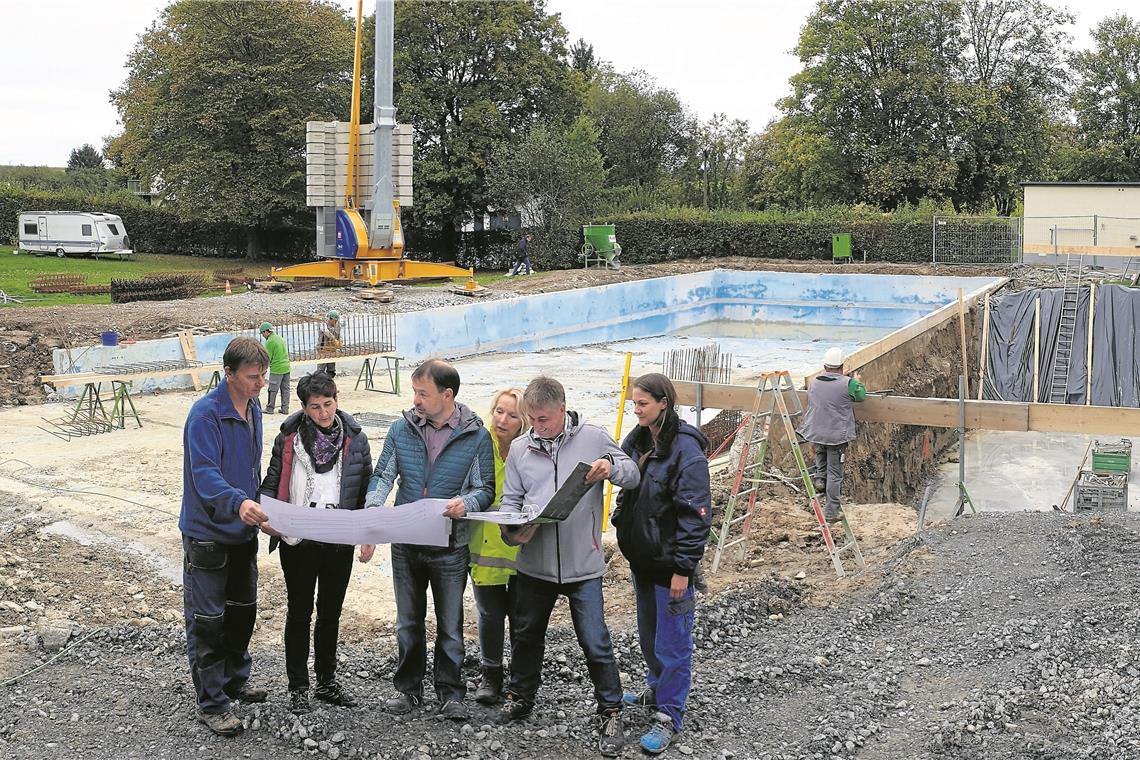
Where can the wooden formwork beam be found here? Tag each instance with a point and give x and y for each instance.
(943, 412)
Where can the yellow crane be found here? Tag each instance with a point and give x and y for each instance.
(373, 254)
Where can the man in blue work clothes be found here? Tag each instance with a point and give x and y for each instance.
(522, 258)
(221, 470)
(439, 449)
(829, 425)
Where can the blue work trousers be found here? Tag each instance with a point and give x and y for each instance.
(219, 590)
(665, 630)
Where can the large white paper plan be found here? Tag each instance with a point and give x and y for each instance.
(418, 522)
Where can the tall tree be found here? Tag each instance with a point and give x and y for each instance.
(582, 59)
(793, 165)
(215, 104)
(85, 157)
(555, 177)
(644, 130)
(1107, 102)
(472, 77)
(878, 82)
(721, 143)
(1010, 93)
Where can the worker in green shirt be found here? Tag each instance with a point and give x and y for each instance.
(278, 367)
(829, 424)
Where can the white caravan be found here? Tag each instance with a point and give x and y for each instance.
(73, 232)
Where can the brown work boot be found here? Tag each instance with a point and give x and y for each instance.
(490, 689)
(222, 724)
(251, 694)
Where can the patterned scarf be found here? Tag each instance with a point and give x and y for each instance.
(322, 445)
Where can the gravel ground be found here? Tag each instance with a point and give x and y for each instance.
(1001, 636)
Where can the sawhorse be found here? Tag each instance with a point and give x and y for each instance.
(369, 371)
(90, 404)
(122, 396)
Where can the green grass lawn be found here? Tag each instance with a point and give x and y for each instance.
(17, 271)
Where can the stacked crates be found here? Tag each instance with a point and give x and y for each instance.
(1105, 486)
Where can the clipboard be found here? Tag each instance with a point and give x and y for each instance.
(566, 498)
(559, 507)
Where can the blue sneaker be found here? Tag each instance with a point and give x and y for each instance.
(657, 739)
(647, 698)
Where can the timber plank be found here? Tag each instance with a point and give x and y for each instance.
(1086, 250)
(943, 412)
(1071, 418)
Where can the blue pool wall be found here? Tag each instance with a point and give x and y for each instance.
(604, 314)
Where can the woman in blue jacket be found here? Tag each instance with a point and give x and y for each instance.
(662, 528)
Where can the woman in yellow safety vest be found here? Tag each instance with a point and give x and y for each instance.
(492, 561)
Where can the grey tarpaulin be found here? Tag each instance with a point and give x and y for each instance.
(1116, 346)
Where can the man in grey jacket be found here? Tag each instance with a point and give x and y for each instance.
(562, 559)
(829, 425)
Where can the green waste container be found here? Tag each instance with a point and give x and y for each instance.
(841, 247)
(1112, 457)
(600, 246)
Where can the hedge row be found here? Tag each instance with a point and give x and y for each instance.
(648, 239)
(645, 237)
(902, 237)
(155, 229)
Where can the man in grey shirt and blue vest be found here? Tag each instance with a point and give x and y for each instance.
(829, 424)
(439, 449)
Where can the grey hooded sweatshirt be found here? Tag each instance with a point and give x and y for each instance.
(569, 551)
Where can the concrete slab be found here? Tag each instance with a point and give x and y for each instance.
(1011, 472)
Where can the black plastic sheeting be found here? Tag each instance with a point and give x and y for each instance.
(1116, 346)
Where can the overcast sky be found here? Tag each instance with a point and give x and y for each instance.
(60, 58)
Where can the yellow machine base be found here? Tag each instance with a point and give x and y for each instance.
(372, 271)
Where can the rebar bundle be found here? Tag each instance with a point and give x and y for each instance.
(57, 283)
(65, 429)
(698, 365)
(145, 367)
(375, 420)
(158, 287)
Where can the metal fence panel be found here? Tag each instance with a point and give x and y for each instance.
(976, 240)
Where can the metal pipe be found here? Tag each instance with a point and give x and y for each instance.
(384, 119)
(961, 430)
(700, 402)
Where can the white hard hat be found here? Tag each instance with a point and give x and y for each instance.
(834, 357)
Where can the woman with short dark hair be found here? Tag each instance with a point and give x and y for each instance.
(321, 459)
(662, 528)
